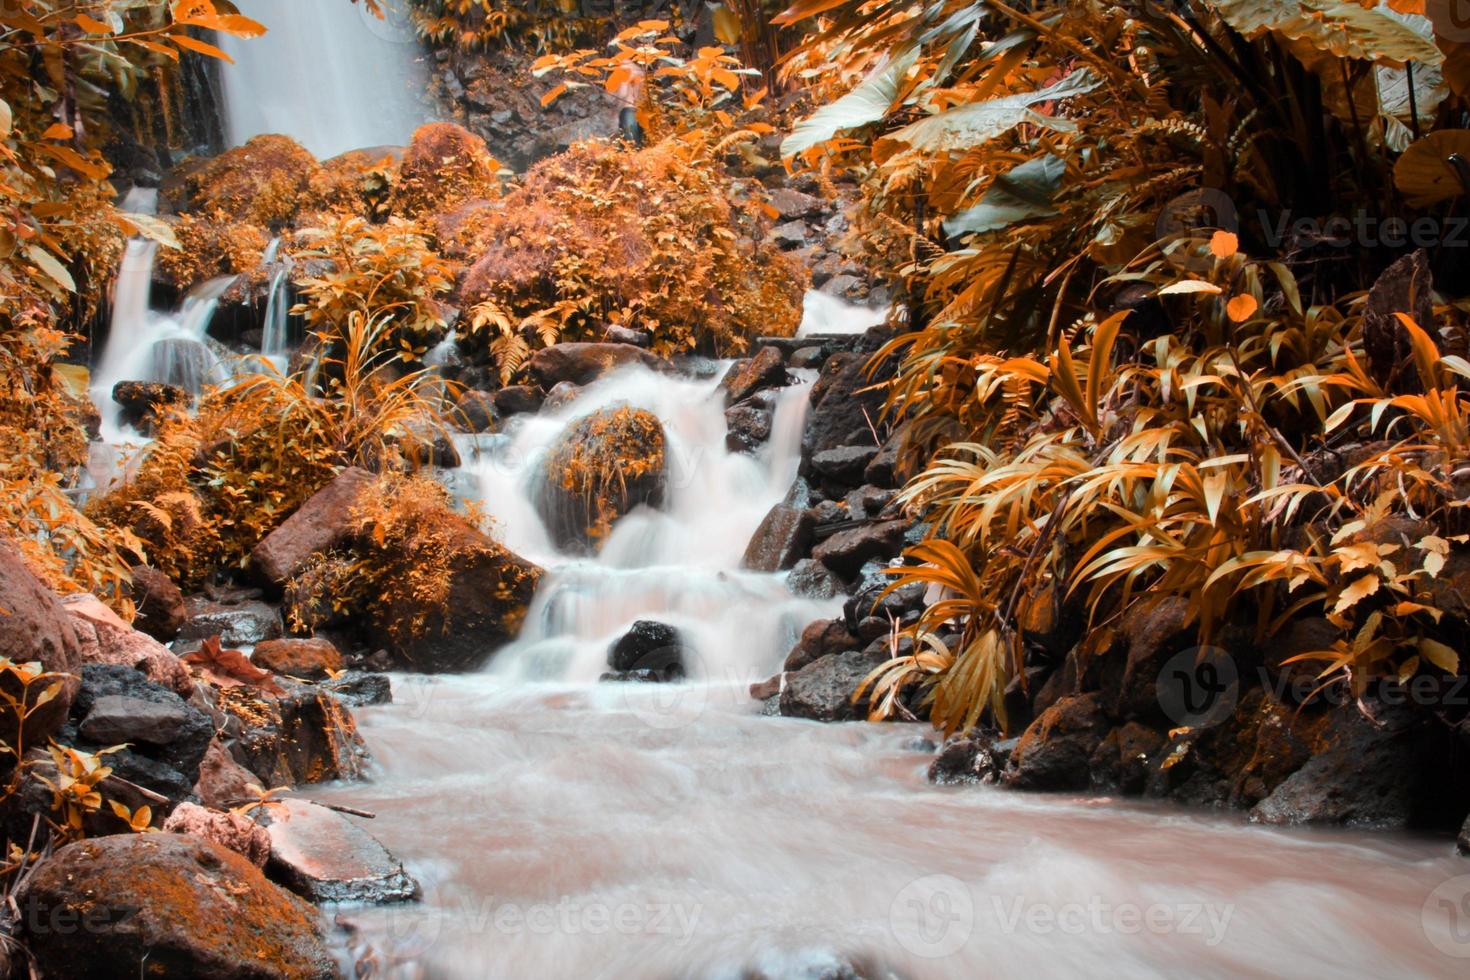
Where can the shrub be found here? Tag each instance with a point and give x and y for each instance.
(266, 182)
(444, 166)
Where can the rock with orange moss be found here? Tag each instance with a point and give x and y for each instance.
(303, 736)
(309, 659)
(444, 166)
(167, 906)
(601, 467)
(266, 182)
(34, 628)
(485, 594)
(223, 827)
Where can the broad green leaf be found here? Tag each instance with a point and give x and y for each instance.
(1340, 27)
(970, 125)
(867, 103)
(1025, 191)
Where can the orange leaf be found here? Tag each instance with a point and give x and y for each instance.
(1241, 307)
(58, 131)
(230, 668)
(553, 95)
(1224, 244)
(92, 25)
(201, 47)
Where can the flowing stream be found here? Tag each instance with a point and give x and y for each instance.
(565, 828)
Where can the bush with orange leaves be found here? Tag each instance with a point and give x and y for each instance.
(445, 166)
(600, 235)
(266, 182)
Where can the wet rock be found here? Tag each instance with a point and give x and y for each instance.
(236, 624)
(844, 465)
(1054, 752)
(782, 539)
(159, 603)
(868, 501)
(811, 579)
(322, 523)
(182, 363)
(326, 857)
(430, 448)
(768, 688)
(489, 590)
(167, 906)
(303, 736)
(1368, 774)
(823, 689)
(840, 407)
(807, 357)
(790, 235)
(477, 411)
(1154, 632)
(846, 551)
(616, 334)
(34, 627)
(358, 689)
(792, 204)
(748, 427)
(223, 782)
(583, 363)
(227, 829)
(652, 649)
(146, 403)
(563, 393)
(116, 704)
(820, 638)
(969, 760)
(518, 400)
(599, 468)
(767, 369)
(869, 599)
(882, 469)
(1124, 758)
(310, 659)
(106, 639)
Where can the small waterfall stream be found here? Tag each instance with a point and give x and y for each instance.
(328, 74)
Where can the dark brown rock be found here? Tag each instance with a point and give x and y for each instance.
(842, 412)
(846, 551)
(322, 523)
(582, 363)
(1123, 759)
(167, 906)
(326, 857)
(303, 736)
(823, 689)
(146, 403)
(477, 411)
(1054, 752)
(599, 468)
(820, 638)
(782, 539)
(160, 604)
(767, 369)
(237, 624)
(518, 400)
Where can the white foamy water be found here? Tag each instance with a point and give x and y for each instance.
(823, 314)
(327, 73)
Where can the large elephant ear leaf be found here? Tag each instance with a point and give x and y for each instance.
(1425, 175)
(970, 125)
(867, 103)
(1345, 28)
(1020, 194)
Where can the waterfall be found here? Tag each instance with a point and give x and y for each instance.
(275, 338)
(679, 565)
(825, 315)
(328, 73)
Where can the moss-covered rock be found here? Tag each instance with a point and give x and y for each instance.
(601, 467)
(445, 166)
(266, 182)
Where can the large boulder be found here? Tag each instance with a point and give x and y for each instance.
(848, 550)
(237, 624)
(159, 604)
(842, 412)
(1055, 750)
(823, 689)
(166, 736)
(767, 369)
(106, 639)
(599, 468)
(583, 363)
(325, 857)
(167, 906)
(34, 628)
(488, 591)
(322, 523)
(782, 539)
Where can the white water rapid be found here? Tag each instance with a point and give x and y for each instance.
(563, 828)
(327, 73)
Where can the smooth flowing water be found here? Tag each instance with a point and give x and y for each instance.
(565, 828)
(329, 74)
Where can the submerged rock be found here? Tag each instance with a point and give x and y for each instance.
(167, 906)
(326, 857)
(599, 468)
(648, 652)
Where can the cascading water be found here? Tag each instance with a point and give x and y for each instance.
(328, 74)
(566, 828)
(822, 314)
(276, 337)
